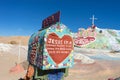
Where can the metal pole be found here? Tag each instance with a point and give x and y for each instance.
(19, 53)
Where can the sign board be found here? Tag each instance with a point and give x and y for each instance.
(51, 48)
(53, 19)
(84, 37)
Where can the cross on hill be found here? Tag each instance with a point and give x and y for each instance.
(93, 19)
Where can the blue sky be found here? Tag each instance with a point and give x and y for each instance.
(24, 17)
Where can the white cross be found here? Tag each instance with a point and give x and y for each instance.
(93, 18)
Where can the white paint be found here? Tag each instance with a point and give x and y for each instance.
(93, 19)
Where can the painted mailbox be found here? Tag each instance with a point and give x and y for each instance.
(51, 48)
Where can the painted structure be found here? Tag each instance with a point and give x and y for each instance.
(50, 51)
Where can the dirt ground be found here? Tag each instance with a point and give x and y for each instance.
(100, 70)
(14, 39)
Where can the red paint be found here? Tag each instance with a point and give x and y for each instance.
(84, 37)
(59, 48)
(83, 41)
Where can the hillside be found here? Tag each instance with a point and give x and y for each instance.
(14, 39)
(87, 62)
(105, 39)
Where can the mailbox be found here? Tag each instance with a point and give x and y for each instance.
(51, 47)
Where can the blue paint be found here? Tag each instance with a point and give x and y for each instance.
(104, 57)
(56, 74)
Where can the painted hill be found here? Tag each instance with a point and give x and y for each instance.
(105, 39)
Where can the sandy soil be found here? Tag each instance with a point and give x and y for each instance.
(15, 39)
(7, 61)
(100, 70)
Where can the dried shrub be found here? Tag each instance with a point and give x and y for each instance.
(13, 42)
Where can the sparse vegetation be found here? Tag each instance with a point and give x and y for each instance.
(118, 40)
(113, 51)
(112, 32)
(100, 31)
(13, 42)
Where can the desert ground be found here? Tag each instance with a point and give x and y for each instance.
(90, 64)
(14, 39)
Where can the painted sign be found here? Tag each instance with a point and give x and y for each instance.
(51, 48)
(84, 37)
(59, 48)
(53, 19)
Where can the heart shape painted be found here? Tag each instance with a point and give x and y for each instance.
(59, 48)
